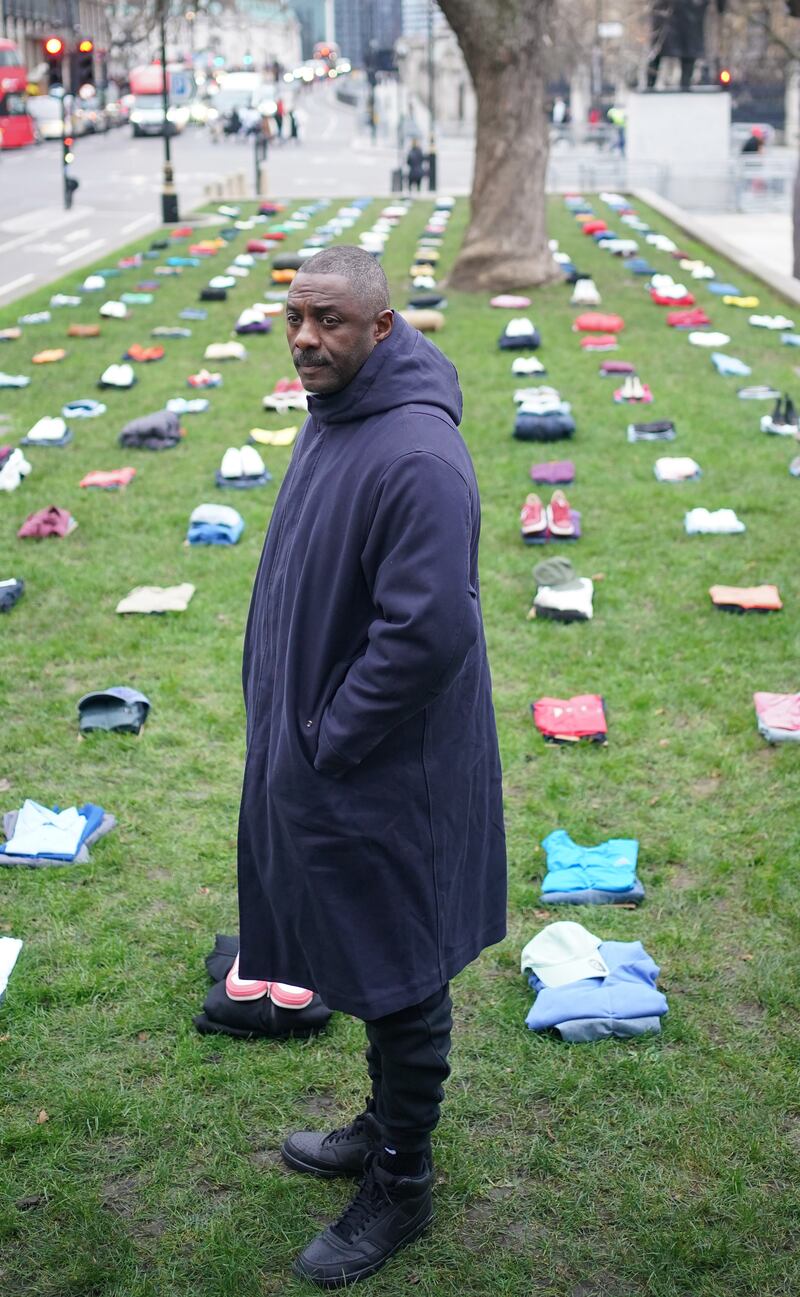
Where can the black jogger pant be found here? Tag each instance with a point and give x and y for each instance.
(407, 1063)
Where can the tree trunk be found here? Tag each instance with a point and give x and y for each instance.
(505, 44)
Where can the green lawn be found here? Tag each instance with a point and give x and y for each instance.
(666, 1167)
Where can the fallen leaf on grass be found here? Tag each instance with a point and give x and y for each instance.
(204, 891)
(4, 1038)
(5, 784)
(32, 1200)
(43, 1117)
(143, 1036)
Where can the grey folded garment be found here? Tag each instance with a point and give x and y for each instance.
(49, 441)
(595, 896)
(42, 862)
(557, 573)
(773, 735)
(585, 1030)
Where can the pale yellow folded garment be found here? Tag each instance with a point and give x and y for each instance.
(426, 321)
(280, 437)
(156, 598)
(225, 351)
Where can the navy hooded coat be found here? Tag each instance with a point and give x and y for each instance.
(371, 846)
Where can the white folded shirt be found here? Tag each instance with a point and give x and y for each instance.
(215, 515)
(41, 831)
(676, 468)
(48, 428)
(721, 521)
(9, 951)
(578, 601)
(519, 327)
(699, 338)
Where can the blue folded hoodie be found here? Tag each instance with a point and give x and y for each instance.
(627, 992)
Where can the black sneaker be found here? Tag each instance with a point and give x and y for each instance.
(789, 412)
(342, 1152)
(387, 1212)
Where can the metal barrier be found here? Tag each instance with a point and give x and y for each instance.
(748, 184)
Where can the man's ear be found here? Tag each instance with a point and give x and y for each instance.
(383, 324)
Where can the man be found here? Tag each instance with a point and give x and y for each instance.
(371, 846)
(415, 161)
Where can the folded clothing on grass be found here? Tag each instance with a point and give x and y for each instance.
(157, 599)
(588, 989)
(583, 872)
(47, 522)
(38, 837)
(568, 720)
(214, 524)
(778, 716)
(753, 598)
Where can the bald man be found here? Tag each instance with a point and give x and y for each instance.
(371, 848)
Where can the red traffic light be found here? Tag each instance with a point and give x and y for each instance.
(68, 141)
(54, 46)
(725, 77)
(86, 47)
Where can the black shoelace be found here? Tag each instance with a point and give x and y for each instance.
(368, 1203)
(355, 1127)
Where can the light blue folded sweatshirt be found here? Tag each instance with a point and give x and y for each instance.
(609, 867)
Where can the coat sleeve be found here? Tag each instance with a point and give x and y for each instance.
(416, 562)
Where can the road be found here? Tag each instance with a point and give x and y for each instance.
(120, 185)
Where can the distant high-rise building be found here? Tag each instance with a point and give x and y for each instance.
(311, 17)
(360, 24)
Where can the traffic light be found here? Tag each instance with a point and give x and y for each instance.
(54, 58)
(85, 63)
(725, 78)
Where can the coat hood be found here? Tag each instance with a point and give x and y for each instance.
(404, 369)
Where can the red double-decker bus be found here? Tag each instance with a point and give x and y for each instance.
(16, 126)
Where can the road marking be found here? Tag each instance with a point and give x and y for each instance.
(15, 283)
(76, 234)
(134, 225)
(79, 252)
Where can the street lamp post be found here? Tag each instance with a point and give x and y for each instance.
(431, 101)
(169, 198)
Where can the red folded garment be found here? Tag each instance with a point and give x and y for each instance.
(143, 354)
(594, 227)
(690, 319)
(600, 342)
(597, 322)
(616, 367)
(778, 711)
(107, 481)
(47, 522)
(182, 232)
(567, 720)
(686, 300)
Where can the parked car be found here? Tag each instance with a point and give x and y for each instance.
(46, 113)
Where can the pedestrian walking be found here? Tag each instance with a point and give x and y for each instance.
(415, 161)
(371, 845)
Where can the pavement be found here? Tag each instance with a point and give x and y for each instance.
(120, 185)
(767, 236)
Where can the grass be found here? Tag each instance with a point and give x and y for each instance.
(666, 1166)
